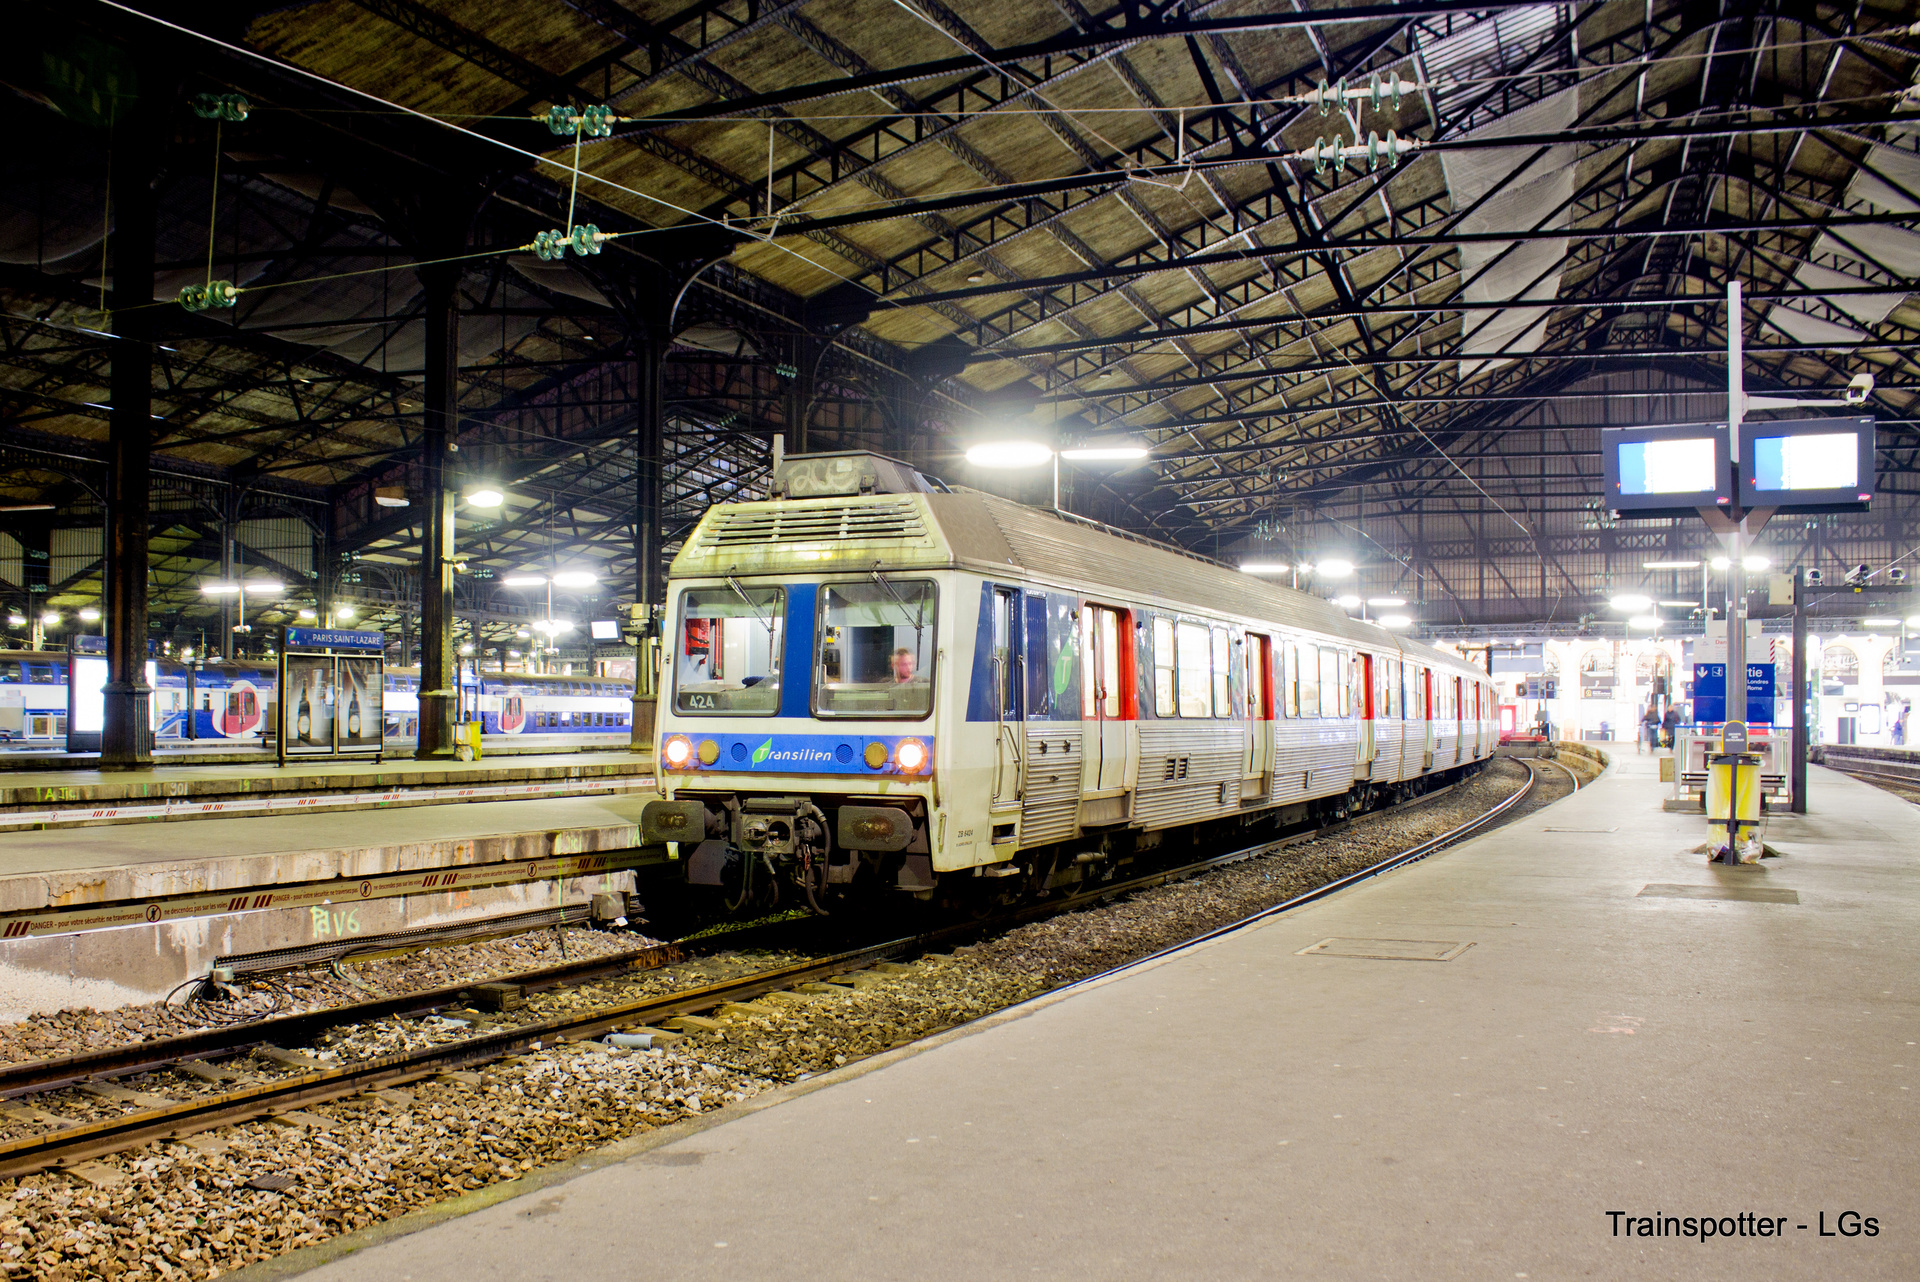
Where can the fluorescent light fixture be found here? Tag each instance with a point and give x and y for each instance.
(263, 587)
(1670, 565)
(1096, 450)
(485, 496)
(16, 620)
(1913, 621)
(1677, 605)
(1757, 562)
(1880, 623)
(553, 627)
(1009, 454)
(89, 615)
(524, 580)
(467, 648)
(343, 612)
(392, 496)
(1387, 602)
(1348, 602)
(1645, 622)
(51, 618)
(219, 589)
(1265, 567)
(1719, 563)
(1334, 568)
(1632, 601)
(308, 614)
(513, 654)
(1395, 621)
(523, 633)
(575, 579)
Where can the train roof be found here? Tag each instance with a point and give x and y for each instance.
(974, 530)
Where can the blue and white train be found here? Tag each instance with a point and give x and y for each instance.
(234, 701)
(869, 683)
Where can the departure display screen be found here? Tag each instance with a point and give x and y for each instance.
(1666, 470)
(1809, 464)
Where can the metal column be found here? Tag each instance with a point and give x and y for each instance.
(126, 740)
(437, 692)
(650, 409)
(1797, 765)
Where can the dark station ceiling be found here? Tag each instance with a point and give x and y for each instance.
(890, 224)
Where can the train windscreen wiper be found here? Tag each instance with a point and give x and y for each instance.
(916, 620)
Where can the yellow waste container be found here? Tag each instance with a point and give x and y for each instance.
(1733, 792)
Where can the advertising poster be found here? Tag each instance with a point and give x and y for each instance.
(308, 702)
(362, 720)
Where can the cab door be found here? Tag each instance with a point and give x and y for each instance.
(1106, 684)
(1426, 718)
(1459, 717)
(1363, 763)
(1256, 772)
(1009, 685)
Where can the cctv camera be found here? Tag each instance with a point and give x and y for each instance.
(1858, 575)
(1815, 578)
(1896, 575)
(1859, 389)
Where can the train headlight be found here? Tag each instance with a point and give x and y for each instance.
(678, 752)
(911, 756)
(709, 752)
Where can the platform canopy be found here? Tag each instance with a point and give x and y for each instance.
(1366, 280)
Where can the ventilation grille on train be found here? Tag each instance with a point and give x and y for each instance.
(840, 523)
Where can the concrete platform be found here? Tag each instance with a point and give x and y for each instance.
(64, 797)
(131, 862)
(1247, 1110)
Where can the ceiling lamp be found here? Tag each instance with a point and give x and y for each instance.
(1632, 601)
(1265, 567)
(1009, 453)
(485, 496)
(1670, 565)
(1387, 602)
(1334, 568)
(1880, 623)
(1645, 622)
(1348, 602)
(575, 579)
(391, 496)
(1395, 621)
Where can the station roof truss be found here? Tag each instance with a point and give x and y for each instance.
(1366, 277)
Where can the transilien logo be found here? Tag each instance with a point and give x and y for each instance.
(764, 751)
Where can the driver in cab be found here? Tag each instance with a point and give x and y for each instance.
(904, 667)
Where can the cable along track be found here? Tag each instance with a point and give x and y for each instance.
(85, 1140)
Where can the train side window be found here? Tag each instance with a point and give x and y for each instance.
(1329, 682)
(1222, 673)
(1164, 703)
(1193, 654)
(1307, 664)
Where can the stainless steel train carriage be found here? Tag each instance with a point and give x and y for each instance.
(873, 682)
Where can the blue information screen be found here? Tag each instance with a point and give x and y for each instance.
(1681, 466)
(1807, 461)
(1710, 693)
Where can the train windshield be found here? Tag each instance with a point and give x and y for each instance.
(876, 649)
(728, 654)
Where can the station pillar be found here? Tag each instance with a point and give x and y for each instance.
(650, 409)
(126, 738)
(438, 694)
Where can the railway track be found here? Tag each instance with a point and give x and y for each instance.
(1905, 786)
(313, 1081)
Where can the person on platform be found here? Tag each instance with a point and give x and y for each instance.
(1670, 722)
(1900, 726)
(1541, 725)
(1649, 738)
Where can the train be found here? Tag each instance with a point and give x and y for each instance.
(233, 701)
(873, 681)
